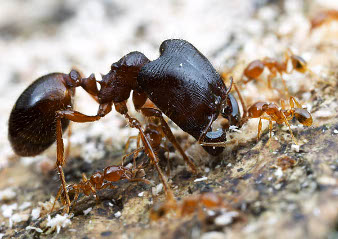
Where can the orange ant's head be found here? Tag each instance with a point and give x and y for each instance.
(303, 116)
(299, 64)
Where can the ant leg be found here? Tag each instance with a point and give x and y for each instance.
(148, 112)
(135, 152)
(134, 123)
(165, 148)
(287, 123)
(259, 128)
(68, 144)
(270, 131)
(60, 161)
(56, 198)
(128, 143)
(286, 89)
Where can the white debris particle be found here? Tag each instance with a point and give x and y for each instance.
(225, 218)
(36, 213)
(34, 228)
(200, 179)
(7, 210)
(279, 172)
(7, 194)
(141, 194)
(181, 65)
(229, 165)
(278, 186)
(234, 128)
(211, 213)
(129, 165)
(110, 204)
(58, 222)
(207, 170)
(15, 218)
(25, 205)
(88, 210)
(156, 190)
(316, 211)
(118, 214)
(323, 114)
(325, 180)
(335, 131)
(213, 235)
(295, 148)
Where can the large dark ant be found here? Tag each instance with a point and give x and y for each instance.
(182, 84)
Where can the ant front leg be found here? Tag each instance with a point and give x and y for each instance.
(60, 161)
(134, 123)
(151, 112)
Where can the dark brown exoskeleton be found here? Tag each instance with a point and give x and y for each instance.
(182, 84)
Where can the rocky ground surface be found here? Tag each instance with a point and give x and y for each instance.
(277, 190)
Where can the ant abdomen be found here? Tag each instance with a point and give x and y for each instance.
(32, 123)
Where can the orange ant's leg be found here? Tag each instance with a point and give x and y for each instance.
(259, 128)
(148, 112)
(56, 198)
(287, 123)
(165, 148)
(135, 154)
(272, 75)
(134, 123)
(270, 131)
(92, 189)
(128, 143)
(294, 101)
(75, 117)
(286, 89)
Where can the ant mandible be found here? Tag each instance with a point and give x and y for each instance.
(255, 69)
(182, 84)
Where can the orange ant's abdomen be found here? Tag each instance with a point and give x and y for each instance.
(211, 200)
(254, 69)
(303, 116)
(115, 173)
(32, 123)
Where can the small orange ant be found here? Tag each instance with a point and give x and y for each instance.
(188, 206)
(323, 17)
(100, 180)
(255, 69)
(279, 114)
